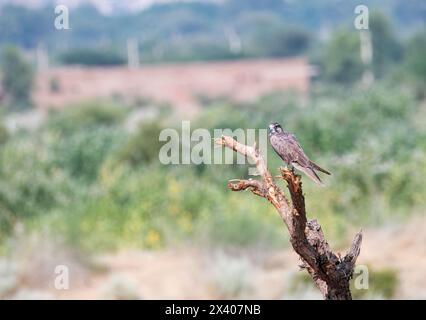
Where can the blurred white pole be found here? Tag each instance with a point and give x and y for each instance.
(42, 57)
(366, 47)
(133, 53)
(234, 41)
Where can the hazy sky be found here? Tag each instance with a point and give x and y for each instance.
(105, 6)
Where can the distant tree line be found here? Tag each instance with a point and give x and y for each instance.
(195, 31)
(189, 32)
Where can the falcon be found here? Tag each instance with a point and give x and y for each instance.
(288, 148)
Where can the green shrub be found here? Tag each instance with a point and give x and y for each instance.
(382, 283)
(83, 152)
(30, 184)
(17, 78)
(341, 62)
(4, 134)
(143, 147)
(415, 53)
(86, 115)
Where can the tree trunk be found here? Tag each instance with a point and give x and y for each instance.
(330, 273)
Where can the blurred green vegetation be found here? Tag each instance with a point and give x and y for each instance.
(382, 284)
(86, 176)
(17, 77)
(92, 57)
(138, 149)
(415, 62)
(83, 175)
(193, 30)
(342, 62)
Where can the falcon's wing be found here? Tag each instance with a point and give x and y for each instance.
(302, 158)
(278, 143)
(296, 152)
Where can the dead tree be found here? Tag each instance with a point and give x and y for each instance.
(330, 272)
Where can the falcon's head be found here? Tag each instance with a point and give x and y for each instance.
(275, 127)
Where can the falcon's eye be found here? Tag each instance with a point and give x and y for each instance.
(277, 128)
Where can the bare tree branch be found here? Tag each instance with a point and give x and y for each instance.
(330, 273)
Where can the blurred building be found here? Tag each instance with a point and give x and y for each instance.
(181, 85)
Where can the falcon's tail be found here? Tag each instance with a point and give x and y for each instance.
(317, 167)
(310, 173)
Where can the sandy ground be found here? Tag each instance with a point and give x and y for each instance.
(194, 274)
(201, 273)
